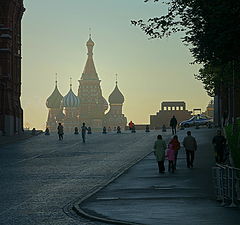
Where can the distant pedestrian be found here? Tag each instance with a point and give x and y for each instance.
(190, 145)
(159, 151)
(118, 129)
(47, 131)
(133, 129)
(175, 146)
(104, 130)
(130, 125)
(109, 129)
(89, 130)
(171, 158)
(147, 128)
(60, 131)
(84, 130)
(219, 142)
(76, 130)
(173, 125)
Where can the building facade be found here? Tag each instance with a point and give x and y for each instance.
(11, 113)
(167, 111)
(89, 105)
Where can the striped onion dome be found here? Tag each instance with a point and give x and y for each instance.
(54, 100)
(70, 100)
(116, 97)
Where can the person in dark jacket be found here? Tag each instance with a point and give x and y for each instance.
(219, 142)
(60, 131)
(190, 145)
(84, 130)
(173, 125)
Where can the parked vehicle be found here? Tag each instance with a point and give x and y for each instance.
(197, 120)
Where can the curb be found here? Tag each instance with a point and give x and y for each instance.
(76, 205)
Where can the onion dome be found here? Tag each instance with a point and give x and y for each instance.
(70, 100)
(54, 100)
(116, 97)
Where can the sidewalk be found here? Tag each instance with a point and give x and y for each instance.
(143, 196)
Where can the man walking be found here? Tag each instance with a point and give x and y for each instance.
(190, 145)
(60, 131)
(84, 130)
(173, 125)
(219, 142)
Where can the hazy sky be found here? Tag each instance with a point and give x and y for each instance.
(54, 39)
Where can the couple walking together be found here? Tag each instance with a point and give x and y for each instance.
(171, 153)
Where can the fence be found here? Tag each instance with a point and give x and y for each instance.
(227, 185)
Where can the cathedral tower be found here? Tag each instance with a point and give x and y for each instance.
(11, 114)
(92, 105)
(55, 114)
(115, 117)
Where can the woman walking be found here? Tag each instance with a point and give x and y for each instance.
(159, 151)
(171, 158)
(175, 146)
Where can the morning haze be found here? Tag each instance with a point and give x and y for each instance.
(149, 71)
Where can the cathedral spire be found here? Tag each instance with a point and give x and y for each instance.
(89, 72)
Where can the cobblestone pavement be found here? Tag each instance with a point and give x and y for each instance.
(41, 176)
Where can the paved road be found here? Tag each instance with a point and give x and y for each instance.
(143, 196)
(41, 176)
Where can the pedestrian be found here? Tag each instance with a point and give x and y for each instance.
(89, 130)
(147, 128)
(104, 130)
(130, 125)
(159, 151)
(109, 129)
(171, 158)
(118, 129)
(84, 130)
(60, 131)
(47, 131)
(76, 130)
(219, 142)
(173, 125)
(190, 145)
(175, 146)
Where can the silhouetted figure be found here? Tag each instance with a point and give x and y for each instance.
(33, 131)
(130, 125)
(60, 131)
(118, 129)
(47, 131)
(190, 146)
(164, 129)
(219, 142)
(114, 129)
(84, 131)
(76, 130)
(104, 130)
(147, 129)
(89, 130)
(133, 129)
(173, 125)
(159, 151)
(175, 145)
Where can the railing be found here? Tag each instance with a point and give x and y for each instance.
(227, 184)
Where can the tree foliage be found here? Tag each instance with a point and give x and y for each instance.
(211, 30)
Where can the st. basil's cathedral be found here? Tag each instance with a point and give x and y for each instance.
(88, 106)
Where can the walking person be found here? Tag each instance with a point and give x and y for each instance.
(219, 142)
(190, 145)
(84, 130)
(60, 131)
(175, 146)
(171, 158)
(159, 151)
(173, 125)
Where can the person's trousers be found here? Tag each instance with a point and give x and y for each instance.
(219, 156)
(174, 131)
(60, 136)
(83, 137)
(161, 167)
(171, 166)
(190, 158)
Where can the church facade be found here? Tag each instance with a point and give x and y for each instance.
(89, 105)
(11, 113)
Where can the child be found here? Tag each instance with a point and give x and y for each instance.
(171, 158)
